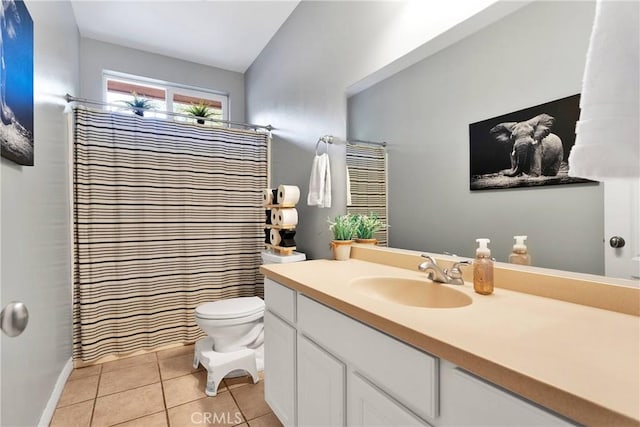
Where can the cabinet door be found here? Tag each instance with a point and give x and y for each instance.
(368, 406)
(321, 386)
(280, 368)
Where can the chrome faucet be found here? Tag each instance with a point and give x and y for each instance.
(435, 273)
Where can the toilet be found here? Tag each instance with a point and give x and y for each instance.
(235, 334)
(233, 324)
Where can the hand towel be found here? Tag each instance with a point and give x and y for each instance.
(607, 134)
(348, 186)
(320, 182)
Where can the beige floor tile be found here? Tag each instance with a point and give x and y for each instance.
(220, 410)
(186, 388)
(78, 415)
(177, 366)
(128, 362)
(155, 420)
(128, 405)
(250, 399)
(128, 378)
(79, 390)
(269, 420)
(84, 372)
(176, 351)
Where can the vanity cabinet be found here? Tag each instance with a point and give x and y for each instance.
(325, 368)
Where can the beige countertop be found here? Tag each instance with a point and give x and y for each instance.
(580, 361)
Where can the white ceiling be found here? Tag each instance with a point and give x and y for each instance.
(224, 34)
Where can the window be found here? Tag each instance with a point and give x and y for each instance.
(165, 97)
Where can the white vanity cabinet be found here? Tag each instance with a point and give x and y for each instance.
(323, 368)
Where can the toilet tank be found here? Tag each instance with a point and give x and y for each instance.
(273, 258)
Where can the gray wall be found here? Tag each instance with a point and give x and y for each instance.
(533, 56)
(36, 264)
(96, 56)
(298, 84)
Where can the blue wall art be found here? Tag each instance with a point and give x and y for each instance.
(16, 102)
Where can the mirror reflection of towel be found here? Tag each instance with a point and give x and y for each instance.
(607, 143)
(320, 182)
(348, 186)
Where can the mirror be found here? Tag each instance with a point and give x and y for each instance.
(535, 55)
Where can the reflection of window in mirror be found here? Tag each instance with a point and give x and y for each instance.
(367, 183)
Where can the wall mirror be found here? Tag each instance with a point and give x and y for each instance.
(532, 56)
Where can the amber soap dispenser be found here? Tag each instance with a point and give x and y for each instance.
(483, 268)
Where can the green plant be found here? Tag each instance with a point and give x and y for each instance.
(343, 227)
(367, 225)
(139, 104)
(199, 110)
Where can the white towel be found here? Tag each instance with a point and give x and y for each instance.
(320, 182)
(348, 186)
(607, 141)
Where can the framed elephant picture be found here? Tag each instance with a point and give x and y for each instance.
(525, 148)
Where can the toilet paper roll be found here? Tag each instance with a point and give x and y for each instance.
(275, 238)
(267, 196)
(268, 214)
(288, 194)
(267, 235)
(288, 216)
(274, 216)
(287, 238)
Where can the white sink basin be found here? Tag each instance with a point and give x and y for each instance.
(411, 292)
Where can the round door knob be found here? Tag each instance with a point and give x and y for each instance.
(617, 242)
(14, 318)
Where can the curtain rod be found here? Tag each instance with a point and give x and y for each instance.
(70, 98)
(330, 138)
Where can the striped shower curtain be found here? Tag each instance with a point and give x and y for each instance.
(368, 182)
(167, 216)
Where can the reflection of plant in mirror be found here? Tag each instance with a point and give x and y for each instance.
(367, 225)
(199, 110)
(139, 103)
(343, 227)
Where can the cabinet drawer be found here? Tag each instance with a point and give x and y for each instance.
(280, 300)
(405, 373)
(469, 400)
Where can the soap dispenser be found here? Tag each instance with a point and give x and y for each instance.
(519, 254)
(483, 268)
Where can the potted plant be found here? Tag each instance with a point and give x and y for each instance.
(139, 104)
(343, 228)
(366, 228)
(199, 110)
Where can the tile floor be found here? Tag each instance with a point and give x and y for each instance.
(158, 390)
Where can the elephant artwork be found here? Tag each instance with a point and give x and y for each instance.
(536, 151)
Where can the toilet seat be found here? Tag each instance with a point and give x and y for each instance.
(245, 308)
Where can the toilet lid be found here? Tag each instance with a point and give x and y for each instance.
(231, 308)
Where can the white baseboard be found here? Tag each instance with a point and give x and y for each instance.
(47, 414)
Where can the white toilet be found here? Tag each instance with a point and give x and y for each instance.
(233, 324)
(235, 334)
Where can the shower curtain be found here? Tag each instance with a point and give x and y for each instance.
(368, 184)
(167, 216)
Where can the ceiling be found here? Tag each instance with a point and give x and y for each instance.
(224, 34)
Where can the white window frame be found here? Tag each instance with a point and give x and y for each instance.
(170, 90)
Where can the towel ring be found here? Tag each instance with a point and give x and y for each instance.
(326, 144)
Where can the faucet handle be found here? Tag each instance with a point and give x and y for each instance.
(456, 272)
(429, 258)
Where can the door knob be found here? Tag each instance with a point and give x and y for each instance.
(14, 318)
(617, 242)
